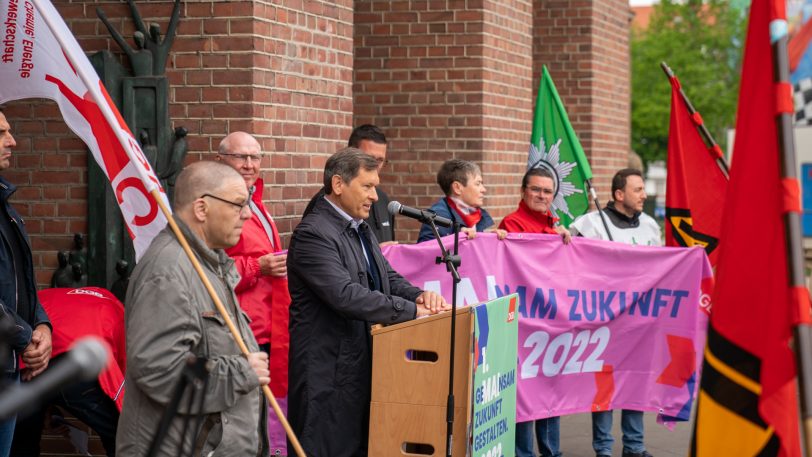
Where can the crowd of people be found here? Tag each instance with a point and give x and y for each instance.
(304, 313)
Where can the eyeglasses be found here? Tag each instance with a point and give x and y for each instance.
(242, 158)
(540, 190)
(241, 206)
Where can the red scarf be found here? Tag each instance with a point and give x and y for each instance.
(471, 219)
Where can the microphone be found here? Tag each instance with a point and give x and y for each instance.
(423, 216)
(83, 362)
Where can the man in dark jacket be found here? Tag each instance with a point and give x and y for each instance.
(371, 140)
(31, 338)
(340, 285)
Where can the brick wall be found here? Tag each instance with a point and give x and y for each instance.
(49, 168)
(281, 72)
(302, 96)
(453, 78)
(585, 45)
(507, 100)
(445, 79)
(458, 79)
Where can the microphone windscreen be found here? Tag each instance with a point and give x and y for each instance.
(91, 355)
(394, 207)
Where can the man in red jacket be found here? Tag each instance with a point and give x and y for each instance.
(261, 261)
(76, 313)
(535, 216)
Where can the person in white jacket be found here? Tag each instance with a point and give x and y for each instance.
(624, 214)
(627, 224)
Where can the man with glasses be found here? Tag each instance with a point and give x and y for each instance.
(534, 215)
(260, 260)
(170, 317)
(371, 140)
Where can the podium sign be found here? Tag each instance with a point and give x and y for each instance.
(495, 339)
(410, 363)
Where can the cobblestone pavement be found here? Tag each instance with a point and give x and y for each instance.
(576, 437)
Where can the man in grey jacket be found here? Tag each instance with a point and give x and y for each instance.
(170, 316)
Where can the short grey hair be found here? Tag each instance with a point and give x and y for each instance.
(346, 163)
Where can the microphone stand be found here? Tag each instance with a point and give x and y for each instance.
(195, 374)
(452, 261)
(598, 206)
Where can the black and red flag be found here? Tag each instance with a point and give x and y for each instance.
(696, 185)
(748, 405)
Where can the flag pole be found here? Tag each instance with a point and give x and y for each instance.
(594, 195)
(799, 294)
(226, 317)
(713, 146)
(110, 118)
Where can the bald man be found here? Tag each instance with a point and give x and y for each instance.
(258, 254)
(170, 317)
(260, 260)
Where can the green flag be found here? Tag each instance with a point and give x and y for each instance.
(554, 146)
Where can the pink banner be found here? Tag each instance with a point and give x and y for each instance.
(602, 325)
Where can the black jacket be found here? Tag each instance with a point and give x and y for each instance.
(380, 221)
(25, 320)
(331, 312)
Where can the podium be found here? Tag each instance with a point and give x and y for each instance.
(410, 363)
(410, 386)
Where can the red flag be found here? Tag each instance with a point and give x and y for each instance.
(695, 190)
(41, 59)
(748, 403)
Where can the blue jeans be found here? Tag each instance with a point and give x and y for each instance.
(631, 425)
(7, 426)
(547, 431)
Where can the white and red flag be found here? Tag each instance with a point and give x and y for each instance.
(41, 59)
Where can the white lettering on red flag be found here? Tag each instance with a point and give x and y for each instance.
(41, 59)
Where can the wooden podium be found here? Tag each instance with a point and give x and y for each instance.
(410, 363)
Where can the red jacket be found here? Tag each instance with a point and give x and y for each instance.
(85, 311)
(265, 299)
(526, 220)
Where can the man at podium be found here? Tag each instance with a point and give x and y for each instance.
(340, 284)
